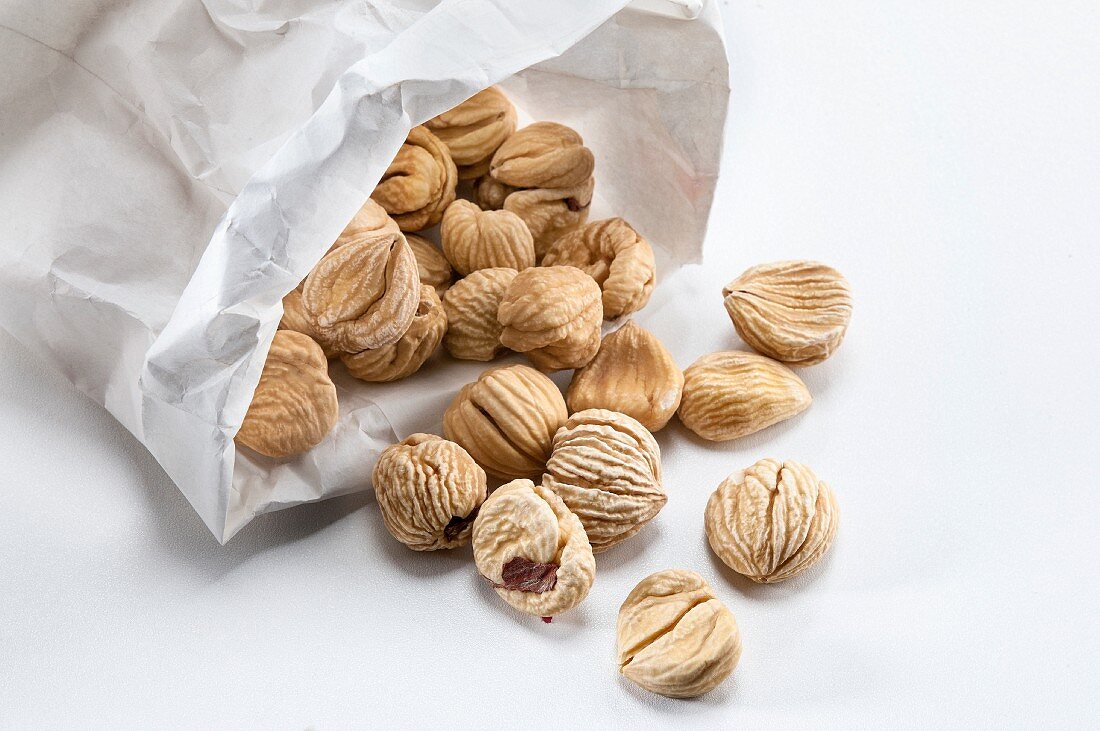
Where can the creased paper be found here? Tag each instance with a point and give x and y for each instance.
(169, 169)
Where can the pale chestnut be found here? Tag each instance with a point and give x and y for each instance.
(772, 521)
(490, 193)
(294, 405)
(731, 394)
(475, 239)
(552, 314)
(675, 637)
(295, 318)
(420, 183)
(794, 311)
(616, 256)
(550, 213)
(428, 491)
(543, 155)
(632, 373)
(473, 331)
(533, 550)
(371, 218)
(475, 129)
(506, 420)
(607, 468)
(363, 294)
(401, 359)
(433, 267)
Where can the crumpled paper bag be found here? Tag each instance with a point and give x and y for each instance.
(169, 169)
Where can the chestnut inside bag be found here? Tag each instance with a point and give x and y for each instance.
(170, 169)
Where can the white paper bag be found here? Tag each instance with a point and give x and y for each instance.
(169, 169)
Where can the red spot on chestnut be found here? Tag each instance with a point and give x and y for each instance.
(523, 574)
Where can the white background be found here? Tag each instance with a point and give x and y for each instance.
(946, 157)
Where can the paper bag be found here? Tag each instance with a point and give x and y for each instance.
(170, 169)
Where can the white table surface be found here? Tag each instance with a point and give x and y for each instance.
(946, 157)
